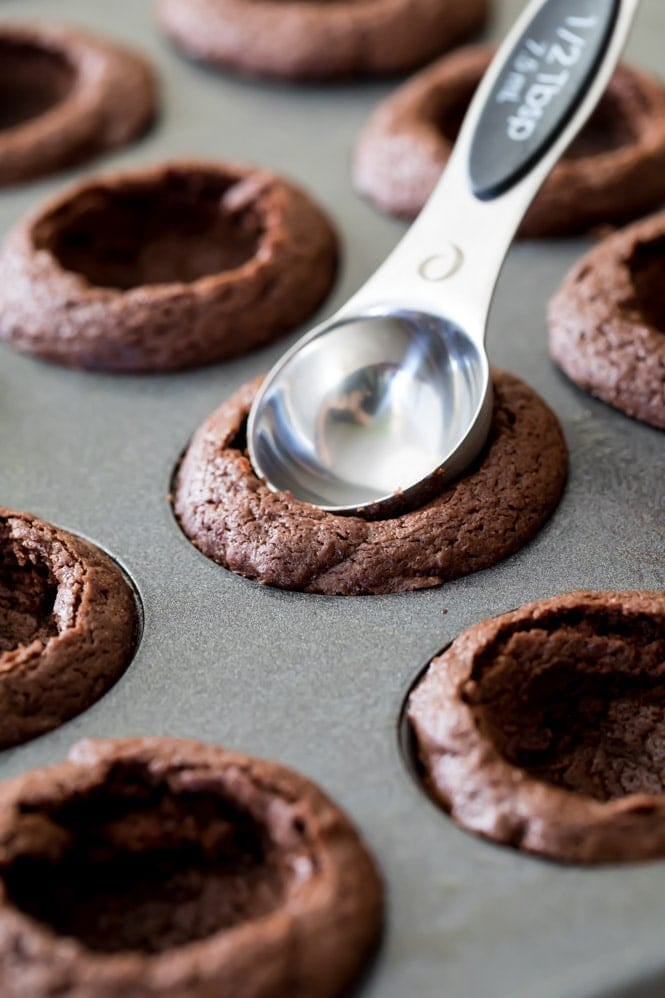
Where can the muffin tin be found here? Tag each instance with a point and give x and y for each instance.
(313, 682)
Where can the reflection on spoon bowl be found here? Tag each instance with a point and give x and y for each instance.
(370, 406)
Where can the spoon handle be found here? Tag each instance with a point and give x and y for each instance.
(540, 89)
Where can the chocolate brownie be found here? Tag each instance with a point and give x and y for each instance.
(295, 40)
(68, 626)
(154, 866)
(544, 728)
(499, 504)
(607, 322)
(613, 171)
(67, 96)
(166, 267)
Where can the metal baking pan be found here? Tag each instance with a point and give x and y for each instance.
(315, 682)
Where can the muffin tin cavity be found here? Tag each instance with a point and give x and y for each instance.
(179, 227)
(545, 728)
(173, 266)
(612, 171)
(68, 626)
(33, 79)
(114, 863)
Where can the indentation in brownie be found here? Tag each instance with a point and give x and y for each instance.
(647, 271)
(33, 80)
(577, 700)
(28, 590)
(135, 864)
(176, 229)
(609, 128)
(451, 108)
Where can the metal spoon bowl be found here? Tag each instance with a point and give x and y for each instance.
(362, 412)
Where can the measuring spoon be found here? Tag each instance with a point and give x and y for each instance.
(375, 410)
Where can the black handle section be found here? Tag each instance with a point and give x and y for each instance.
(539, 89)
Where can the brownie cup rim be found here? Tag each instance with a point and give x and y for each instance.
(577, 317)
(150, 176)
(308, 12)
(71, 320)
(53, 42)
(73, 119)
(375, 20)
(22, 663)
(219, 432)
(616, 252)
(542, 819)
(91, 548)
(332, 880)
